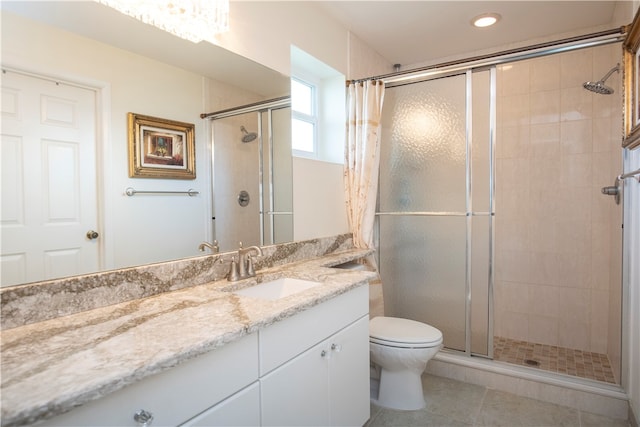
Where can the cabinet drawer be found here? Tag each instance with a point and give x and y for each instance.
(286, 339)
(241, 409)
(175, 395)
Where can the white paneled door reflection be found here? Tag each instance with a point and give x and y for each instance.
(49, 200)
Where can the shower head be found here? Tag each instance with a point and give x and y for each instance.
(248, 136)
(599, 86)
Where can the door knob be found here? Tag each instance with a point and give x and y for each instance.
(92, 235)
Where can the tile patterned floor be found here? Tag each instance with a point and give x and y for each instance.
(578, 363)
(454, 403)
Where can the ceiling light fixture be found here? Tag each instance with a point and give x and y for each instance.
(193, 20)
(485, 20)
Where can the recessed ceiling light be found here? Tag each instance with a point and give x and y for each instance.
(486, 19)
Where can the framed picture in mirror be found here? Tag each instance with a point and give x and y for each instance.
(160, 148)
(631, 52)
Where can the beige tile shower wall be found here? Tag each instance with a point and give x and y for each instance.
(556, 147)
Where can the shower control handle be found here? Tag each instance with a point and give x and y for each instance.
(244, 198)
(613, 190)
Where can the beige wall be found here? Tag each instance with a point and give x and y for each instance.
(364, 61)
(265, 30)
(318, 193)
(557, 145)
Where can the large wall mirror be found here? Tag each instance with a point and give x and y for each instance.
(141, 69)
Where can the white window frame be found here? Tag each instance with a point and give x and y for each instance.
(308, 118)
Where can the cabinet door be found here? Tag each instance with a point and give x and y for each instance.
(289, 337)
(296, 393)
(349, 375)
(175, 395)
(241, 409)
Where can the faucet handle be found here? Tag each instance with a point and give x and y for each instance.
(233, 275)
(250, 270)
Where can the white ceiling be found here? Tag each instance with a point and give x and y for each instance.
(412, 32)
(404, 32)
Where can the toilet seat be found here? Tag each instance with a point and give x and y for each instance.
(403, 333)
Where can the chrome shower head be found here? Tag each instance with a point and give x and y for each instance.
(599, 86)
(248, 136)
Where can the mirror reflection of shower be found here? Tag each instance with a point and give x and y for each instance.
(257, 162)
(248, 136)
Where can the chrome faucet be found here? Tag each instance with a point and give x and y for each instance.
(244, 267)
(214, 248)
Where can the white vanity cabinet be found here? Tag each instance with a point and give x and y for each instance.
(314, 367)
(308, 369)
(178, 394)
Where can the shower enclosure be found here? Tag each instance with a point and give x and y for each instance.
(491, 224)
(252, 175)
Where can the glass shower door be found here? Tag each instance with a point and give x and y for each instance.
(277, 177)
(427, 227)
(259, 168)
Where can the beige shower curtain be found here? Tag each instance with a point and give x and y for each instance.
(362, 159)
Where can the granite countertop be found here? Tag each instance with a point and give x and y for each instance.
(51, 366)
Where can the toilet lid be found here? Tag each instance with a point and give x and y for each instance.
(397, 330)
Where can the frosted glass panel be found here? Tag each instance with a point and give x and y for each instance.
(278, 162)
(423, 170)
(480, 141)
(422, 264)
(424, 147)
(480, 251)
(282, 169)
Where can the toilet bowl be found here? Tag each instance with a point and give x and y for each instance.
(400, 350)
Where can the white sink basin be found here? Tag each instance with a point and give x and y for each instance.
(277, 289)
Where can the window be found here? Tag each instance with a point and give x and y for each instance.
(318, 112)
(304, 118)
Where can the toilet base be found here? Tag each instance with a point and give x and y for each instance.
(399, 390)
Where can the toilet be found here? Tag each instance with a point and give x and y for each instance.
(400, 350)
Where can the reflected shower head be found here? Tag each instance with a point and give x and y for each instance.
(599, 86)
(248, 136)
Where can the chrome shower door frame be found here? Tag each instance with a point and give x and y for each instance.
(469, 212)
(266, 210)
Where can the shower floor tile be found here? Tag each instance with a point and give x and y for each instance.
(578, 363)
